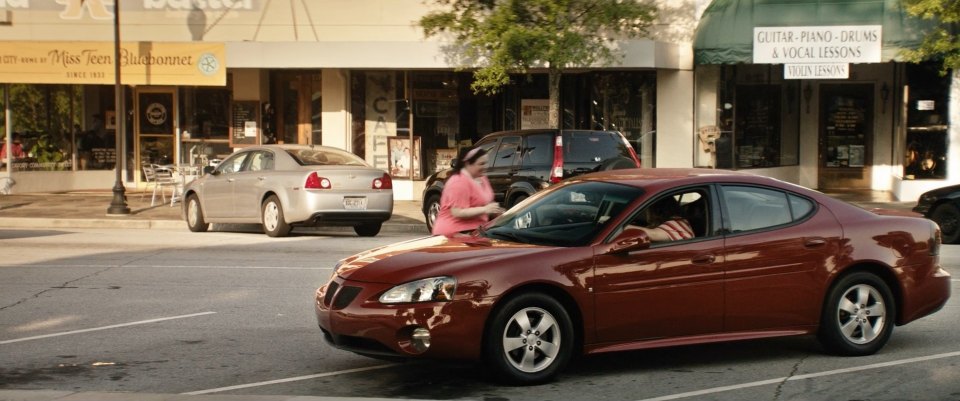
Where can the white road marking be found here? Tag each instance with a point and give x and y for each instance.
(174, 266)
(16, 340)
(291, 379)
(803, 377)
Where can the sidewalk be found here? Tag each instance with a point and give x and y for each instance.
(88, 209)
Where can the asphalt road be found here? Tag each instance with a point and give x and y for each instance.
(157, 311)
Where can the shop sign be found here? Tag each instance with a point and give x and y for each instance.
(381, 116)
(141, 63)
(816, 71)
(817, 44)
(534, 113)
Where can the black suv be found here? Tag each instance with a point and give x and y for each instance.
(524, 162)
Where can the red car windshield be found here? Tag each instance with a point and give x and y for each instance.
(569, 215)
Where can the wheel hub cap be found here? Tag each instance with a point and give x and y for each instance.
(531, 340)
(861, 314)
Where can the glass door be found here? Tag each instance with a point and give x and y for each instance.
(154, 128)
(846, 133)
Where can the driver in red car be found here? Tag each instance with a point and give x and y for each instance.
(666, 222)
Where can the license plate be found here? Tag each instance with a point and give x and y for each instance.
(355, 203)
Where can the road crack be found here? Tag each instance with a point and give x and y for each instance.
(793, 372)
(65, 285)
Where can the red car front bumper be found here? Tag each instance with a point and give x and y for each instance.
(353, 319)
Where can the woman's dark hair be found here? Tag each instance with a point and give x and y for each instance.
(467, 156)
(664, 210)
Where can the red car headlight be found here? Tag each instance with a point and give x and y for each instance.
(433, 289)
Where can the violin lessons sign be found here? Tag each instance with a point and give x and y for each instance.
(141, 63)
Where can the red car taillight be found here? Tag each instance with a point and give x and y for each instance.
(315, 181)
(556, 172)
(384, 182)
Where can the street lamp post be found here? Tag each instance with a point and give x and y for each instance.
(118, 206)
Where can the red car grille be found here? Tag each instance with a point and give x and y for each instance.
(337, 297)
(345, 297)
(331, 290)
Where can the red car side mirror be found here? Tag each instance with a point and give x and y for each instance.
(629, 240)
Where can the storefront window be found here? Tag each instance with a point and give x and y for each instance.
(757, 119)
(447, 115)
(379, 108)
(926, 138)
(204, 128)
(437, 113)
(620, 101)
(46, 124)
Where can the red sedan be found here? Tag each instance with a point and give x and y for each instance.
(634, 259)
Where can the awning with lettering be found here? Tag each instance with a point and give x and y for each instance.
(725, 32)
(141, 63)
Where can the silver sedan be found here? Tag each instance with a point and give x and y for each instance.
(283, 186)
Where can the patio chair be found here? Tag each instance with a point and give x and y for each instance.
(158, 177)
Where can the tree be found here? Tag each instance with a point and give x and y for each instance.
(942, 43)
(500, 37)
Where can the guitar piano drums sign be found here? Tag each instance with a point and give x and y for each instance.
(155, 113)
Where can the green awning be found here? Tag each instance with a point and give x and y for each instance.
(725, 32)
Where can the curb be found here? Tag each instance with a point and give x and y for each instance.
(34, 222)
(57, 395)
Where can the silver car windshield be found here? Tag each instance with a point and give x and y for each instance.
(571, 215)
(325, 157)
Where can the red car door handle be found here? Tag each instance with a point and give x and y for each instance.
(814, 242)
(703, 259)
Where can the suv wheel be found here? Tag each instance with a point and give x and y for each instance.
(517, 199)
(431, 210)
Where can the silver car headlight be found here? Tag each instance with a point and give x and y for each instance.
(433, 289)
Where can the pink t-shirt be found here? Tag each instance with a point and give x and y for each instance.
(461, 192)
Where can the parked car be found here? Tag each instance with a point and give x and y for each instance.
(284, 186)
(567, 272)
(524, 162)
(942, 205)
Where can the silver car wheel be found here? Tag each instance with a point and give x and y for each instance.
(193, 212)
(271, 216)
(531, 340)
(861, 314)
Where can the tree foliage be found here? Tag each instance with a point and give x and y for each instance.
(500, 37)
(504, 36)
(942, 43)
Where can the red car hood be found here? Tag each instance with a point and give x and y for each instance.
(429, 257)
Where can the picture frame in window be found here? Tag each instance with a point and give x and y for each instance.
(110, 119)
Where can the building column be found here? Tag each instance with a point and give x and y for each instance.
(675, 131)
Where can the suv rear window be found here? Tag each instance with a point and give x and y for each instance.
(538, 150)
(592, 147)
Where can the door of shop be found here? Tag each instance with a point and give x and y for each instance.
(846, 135)
(297, 98)
(154, 126)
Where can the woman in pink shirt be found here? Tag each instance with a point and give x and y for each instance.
(467, 199)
